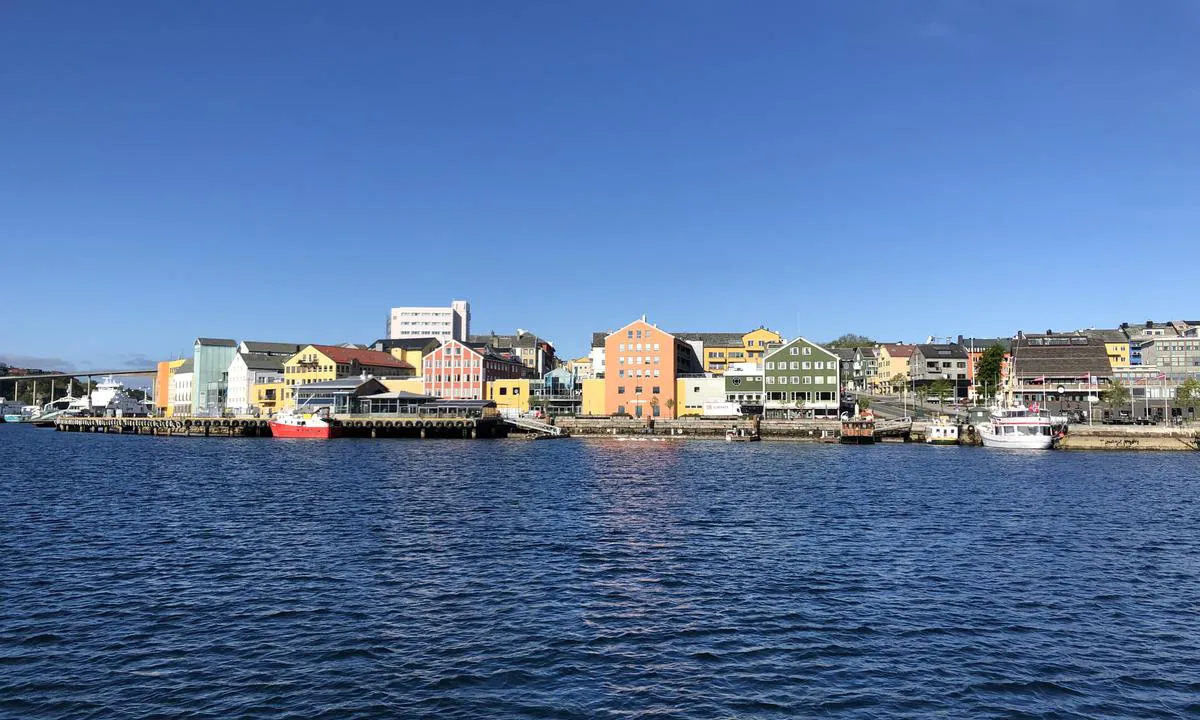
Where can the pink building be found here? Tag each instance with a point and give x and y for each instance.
(461, 371)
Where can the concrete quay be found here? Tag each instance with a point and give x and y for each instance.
(350, 426)
(1130, 437)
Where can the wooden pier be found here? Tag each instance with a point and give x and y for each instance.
(350, 426)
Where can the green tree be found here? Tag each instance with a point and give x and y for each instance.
(1117, 396)
(942, 389)
(1187, 395)
(987, 369)
(864, 402)
(850, 340)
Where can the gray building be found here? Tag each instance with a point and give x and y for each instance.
(931, 363)
(1065, 371)
(211, 358)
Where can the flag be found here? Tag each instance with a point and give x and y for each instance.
(1160, 376)
(1035, 407)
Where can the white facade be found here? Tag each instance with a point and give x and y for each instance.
(240, 381)
(181, 393)
(443, 323)
(700, 391)
(597, 356)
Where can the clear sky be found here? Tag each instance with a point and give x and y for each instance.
(289, 170)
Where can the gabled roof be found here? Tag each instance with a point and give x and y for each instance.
(1073, 355)
(1108, 336)
(932, 350)
(523, 340)
(412, 343)
(897, 350)
(375, 358)
(845, 353)
(713, 339)
(271, 348)
(216, 342)
(257, 361)
(771, 353)
(346, 383)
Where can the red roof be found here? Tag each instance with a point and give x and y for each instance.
(364, 357)
(900, 350)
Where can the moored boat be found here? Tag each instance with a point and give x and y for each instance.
(741, 435)
(1017, 428)
(293, 424)
(941, 431)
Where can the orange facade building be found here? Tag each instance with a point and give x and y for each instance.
(642, 364)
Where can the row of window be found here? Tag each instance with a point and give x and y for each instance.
(805, 365)
(638, 373)
(802, 380)
(638, 360)
(638, 389)
(638, 346)
(630, 334)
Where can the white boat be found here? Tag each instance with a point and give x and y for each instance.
(941, 431)
(108, 398)
(1018, 428)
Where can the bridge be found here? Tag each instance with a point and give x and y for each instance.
(535, 426)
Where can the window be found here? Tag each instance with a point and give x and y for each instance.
(655, 372)
(770, 379)
(620, 409)
(655, 390)
(639, 334)
(796, 351)
(622, 348)
(818, 365)
(638, 389)
(831, 380)
(655, 346)
(629, 334)
(770, 366)
(782, 380)
(807, 379)
(806, 365)
(516, 390)
(620, 389)
(504, 391)
(639, 346)
(808, 351)
(620, 373)
(819, 380)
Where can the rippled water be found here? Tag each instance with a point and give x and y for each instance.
(150, 577)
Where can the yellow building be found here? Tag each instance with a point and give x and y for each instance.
(593, 397)
(581, 368)
(408, 350)
(316, 363)
(509, 394)
(269, 398)
(162, 386)
(891, 367)
(1116, 346)
(720, 350)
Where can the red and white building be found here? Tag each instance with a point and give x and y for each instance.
(461, 371)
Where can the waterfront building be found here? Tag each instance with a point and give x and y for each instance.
(339, 395)
(593, 397)
(864, 369)
(557, 393)
(245, 371)
(696, 390)
(931, 363)
(210, 361)
(318, 363)
(891, 367)
(596, 354)
(181, 388)
(535, 352)
(410, 350)
(744, 386)
(163, 401)
(1173, 348)
(1116, 344)
(801, 380)
(1063, 371)
(718, 350)
(461, 371)
(975, 348)
(845, 367)
(1143, 336)
(511, 394)
(411, 385)
(443, 323)
(266, 399)
(643, 364)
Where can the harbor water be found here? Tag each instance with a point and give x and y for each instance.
(148, 577)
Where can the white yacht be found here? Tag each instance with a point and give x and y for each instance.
(1019, 428)
(108, 398)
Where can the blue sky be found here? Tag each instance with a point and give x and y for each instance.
(290, 170)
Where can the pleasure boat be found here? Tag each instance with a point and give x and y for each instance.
(298, 424)
(14, 412)
(1018, 428)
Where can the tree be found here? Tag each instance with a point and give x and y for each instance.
(850, 340)
(864, 402)
(987, 369)
(897, 382)
(1187, 395)
(1116, 396)
(653, 405)
(941, 389)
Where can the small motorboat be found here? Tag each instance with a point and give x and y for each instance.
(741, 434)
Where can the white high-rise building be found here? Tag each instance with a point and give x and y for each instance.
(443, 323)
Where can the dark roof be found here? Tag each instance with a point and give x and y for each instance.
(1060, 355)
(869, 352)
(984, 343)
(271, 348)
(399, 395)
(713, 339)
(188, 366)
(844, 353)
(257, 361)
(899, 350)
(468, 404)
(346, 383)
(524, 340)
(216, 342)
(598, 339)
(1108, 336)
(955, 351)
(412, 343)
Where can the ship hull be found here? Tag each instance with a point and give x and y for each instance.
(315, 431)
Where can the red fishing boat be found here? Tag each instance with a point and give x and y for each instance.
(292, 424)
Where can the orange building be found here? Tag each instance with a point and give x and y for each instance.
(162, 385)
(642, 364)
